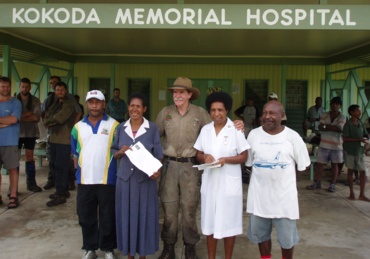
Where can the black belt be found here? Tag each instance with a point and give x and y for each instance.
(182, 159)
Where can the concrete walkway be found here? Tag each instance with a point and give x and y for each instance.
(330, 226)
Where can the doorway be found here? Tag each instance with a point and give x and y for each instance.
(142, 86)
(296, 104)
(258, 91)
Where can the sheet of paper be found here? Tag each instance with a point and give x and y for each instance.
(143, 159)
(206, 166)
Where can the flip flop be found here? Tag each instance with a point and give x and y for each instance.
(13, 202)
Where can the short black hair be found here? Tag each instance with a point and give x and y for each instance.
(116, 89)
(336, 100)
(352, 107)
(138, 96)
(6, 79)
(57, 77)
(26, 80)
(62, 84)
(222, 97)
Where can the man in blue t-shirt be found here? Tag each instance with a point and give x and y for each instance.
(10, 114)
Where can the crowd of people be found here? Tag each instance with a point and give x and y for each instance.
(341, 141)
(117, 203)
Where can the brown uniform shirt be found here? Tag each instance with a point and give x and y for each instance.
(180, 132)
(30, 129)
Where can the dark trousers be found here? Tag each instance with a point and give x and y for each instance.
(48, 156)
(60, 155)
(72, 171)
(96, 215)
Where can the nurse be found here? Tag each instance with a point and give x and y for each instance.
(221, 190)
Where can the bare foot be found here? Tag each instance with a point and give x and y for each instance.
(351, 197)
(364, 198)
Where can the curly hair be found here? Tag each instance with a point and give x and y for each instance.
(222, 97)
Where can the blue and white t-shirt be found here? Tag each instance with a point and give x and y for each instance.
(10, 135)
(272, 189)
(91, 146)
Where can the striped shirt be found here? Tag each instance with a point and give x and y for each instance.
(91, 146)
(330, 139)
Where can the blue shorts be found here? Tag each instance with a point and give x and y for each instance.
(260, 229)
(327, 155)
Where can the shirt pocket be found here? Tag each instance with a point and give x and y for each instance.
(193, 130)
(233, 186)
(169, 128)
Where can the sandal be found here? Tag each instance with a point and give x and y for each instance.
(13, 202)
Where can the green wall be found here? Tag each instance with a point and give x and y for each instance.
(160, 73)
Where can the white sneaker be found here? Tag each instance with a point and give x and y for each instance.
(89, 254)
(109, 255)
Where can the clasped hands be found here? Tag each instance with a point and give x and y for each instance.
(209, 159)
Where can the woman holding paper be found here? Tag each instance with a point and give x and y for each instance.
(221, 190)
(136, 193)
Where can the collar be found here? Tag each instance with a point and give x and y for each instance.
(105, 117)
(229, 124)
(359, 123)
(177, 110)
(141, 130)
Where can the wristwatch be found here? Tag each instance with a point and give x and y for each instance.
(324, 126)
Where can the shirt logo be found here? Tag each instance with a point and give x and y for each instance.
(105, 131)
(168, 117)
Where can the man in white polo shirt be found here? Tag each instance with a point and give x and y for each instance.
(91, 140)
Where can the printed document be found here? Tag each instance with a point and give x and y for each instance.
(143, 159)
(206, 166)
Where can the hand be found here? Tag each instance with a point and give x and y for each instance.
(120, 153)
(208, 158)
(155, 175)
(364, 140)
(239, 125)
(222, 161)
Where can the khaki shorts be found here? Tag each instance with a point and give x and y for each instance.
(355, 162)
(9, 157)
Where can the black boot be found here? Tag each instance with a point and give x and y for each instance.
(168, 252)
(190, 251)
(31, 177)
(49, 185)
